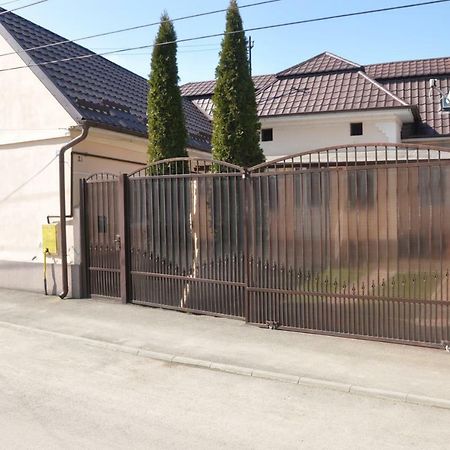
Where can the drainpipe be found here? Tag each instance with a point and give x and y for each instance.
(62, 206)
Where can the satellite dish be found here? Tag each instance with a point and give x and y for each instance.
(446, 103)
(445, 98)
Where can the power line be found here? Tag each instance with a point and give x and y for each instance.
(9, 3)
(265, 27)
(22, 7)
(137, 27)
(215, 49)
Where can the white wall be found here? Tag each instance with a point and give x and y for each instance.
(28, 112)
(33, 127)
(302, 133)
(28, 193)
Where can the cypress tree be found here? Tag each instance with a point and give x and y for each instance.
(235, 122)
(167, 135)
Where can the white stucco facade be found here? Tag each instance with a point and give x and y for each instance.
(295, 134)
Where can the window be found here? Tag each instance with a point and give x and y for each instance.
(356, 129)
(267, 134)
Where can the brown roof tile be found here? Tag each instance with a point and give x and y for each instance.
(201, 88)
(344, 91)
(415, 68)
(320, 64)
(409, 80)
(416, 92)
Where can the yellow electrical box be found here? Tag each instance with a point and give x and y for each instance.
(50, 238)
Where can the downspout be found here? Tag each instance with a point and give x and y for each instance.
(62, 206)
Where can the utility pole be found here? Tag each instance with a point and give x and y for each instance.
(250, 45)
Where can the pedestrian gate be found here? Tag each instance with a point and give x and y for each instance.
(350, 240)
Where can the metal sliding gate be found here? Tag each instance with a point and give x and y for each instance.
(350, 241)
(353, 241)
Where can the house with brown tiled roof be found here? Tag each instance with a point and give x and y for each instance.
(328, 100)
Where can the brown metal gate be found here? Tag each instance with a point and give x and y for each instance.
(186, 236)
(350, 240)
(100, 196)
(353, 241)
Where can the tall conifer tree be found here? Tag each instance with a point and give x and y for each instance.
(166, 126)
(235, 121)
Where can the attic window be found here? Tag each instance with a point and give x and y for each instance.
(356, 129)
(267, 134)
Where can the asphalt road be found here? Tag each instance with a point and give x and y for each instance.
(56, 393)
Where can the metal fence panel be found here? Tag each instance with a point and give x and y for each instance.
(187, 236)
(353, 241)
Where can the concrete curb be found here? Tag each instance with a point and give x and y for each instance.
(403, 397)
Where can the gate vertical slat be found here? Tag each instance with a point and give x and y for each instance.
(124, 238)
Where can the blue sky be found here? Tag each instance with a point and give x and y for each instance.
(406, 34)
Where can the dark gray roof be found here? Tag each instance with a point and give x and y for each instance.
(93, 89)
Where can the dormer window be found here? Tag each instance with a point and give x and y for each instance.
(356, 129)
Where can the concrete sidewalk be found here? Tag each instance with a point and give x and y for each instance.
(372, 365)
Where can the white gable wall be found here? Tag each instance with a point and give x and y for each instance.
(28, 111)
(33, 128)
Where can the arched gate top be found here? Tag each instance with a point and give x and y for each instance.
(355, 155)
(102, 176)
(187, 166)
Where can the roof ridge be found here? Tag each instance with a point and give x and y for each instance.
(291, 71)
(381, 87)
(402, 61)
(200, 110)
(343, 59)
(214, 80)
(300, 63)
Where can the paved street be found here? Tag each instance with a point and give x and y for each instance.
(58, 393)
(414, 370)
